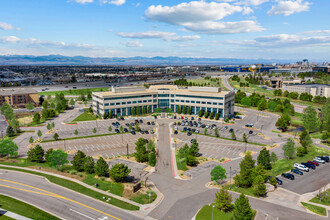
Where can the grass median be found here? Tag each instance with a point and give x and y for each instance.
(314, 208)
(81, 137)
(79, 188)
(85, 116)
(23, 209)
(323, 200)
(206, 213)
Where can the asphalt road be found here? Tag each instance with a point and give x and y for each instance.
(59, 201)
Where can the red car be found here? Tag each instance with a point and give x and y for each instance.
(313, 162)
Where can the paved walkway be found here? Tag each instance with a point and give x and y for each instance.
(13, 215)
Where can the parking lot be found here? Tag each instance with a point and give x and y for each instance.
(105, 146)
(309, 181)
(214, 147)
(101, 126)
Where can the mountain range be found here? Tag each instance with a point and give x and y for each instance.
(158, 60)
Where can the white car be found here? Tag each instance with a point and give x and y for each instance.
(319, 160)
(301, 167)
(175, 128)
(207, 126)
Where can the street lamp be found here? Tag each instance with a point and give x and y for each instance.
(212, 209)
(261, 128)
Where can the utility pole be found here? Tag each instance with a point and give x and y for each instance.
(64, 145)
(263, 125)
(230, 176)
(127, 151)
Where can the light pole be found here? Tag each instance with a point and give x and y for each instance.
(261, 128)
(230, 176)
(212, 209)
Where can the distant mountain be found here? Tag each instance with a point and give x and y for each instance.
(80, 60)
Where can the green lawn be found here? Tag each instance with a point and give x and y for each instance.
(285, 165)
(246, 191)
(74, 91)
(3, 217)
(314, 208)
(206, 214)
(213, 84)
(114, 188)
(325, 199)
(144, 198)
(180, 162)
(21, 208)
(85, 116)
(78, 188)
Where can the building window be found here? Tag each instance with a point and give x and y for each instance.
(134, 102)
(106, 104)
(123, 103)
(144, 100)
(214, 103)
(112, 103)
(172, 95)
(172, 100)
(155, 100)
(198, 102)
(203, 102)
(209, 103)
(149, 100)
(140, 101)
(129, 103)
(118, 103)
(192, 101)
(187, 101)
(182, 100)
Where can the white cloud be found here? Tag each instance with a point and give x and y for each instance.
(192, 12)
(146, 35)
(84, 1)
(9, 39)
(203, 17)
(317, 32)
(284, 40)
(5, 26)
(211, 27)
(166, 36)
(256, 2)
(132, 44)
(289, 7)
(114, 2)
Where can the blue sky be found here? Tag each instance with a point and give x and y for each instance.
(282, 29)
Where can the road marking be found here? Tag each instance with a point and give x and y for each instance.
(52, 195)
(82, 214)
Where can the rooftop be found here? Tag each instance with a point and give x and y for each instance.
(17, 91)
(311, 85)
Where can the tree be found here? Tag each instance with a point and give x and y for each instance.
(79, 160)
(39, 134)
(324, 137)
(119, 172)
(194, 150)
(141, 154)
(273, 182)
(49, 126)
(36, 118)
(137, 128)
(8, 147)
(189, 110)
(244, 137)
(72, 102)
(218, 173)
(58, 158)
(259, 187)
(191, 160)
(233, 136)
(15, 124)
(76, 132)
(36, 154)
(89, 165)
(200, 113)
(245, 177)
(31, 140)
(109, 128)
(310, 119)
(55, 136)
(325, 115)
(178, 109)
(264, 159)
(138, 112)
(211, 115)
(262, 104)
(45, 104)
(217, 116)
(29, 106)
(105, 116)
(289, 149)
(48, 152)
(10, 131)
(242, 210)
(152, 158)
(101, 167)
(94, 130)
(273, 157)
(206, 114)
(216, 132)
(283, 122)
(223, 200)
(184, 110)
(205, 131)
(53, 125)
(148, 109)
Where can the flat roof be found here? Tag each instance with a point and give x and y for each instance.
(163, 89)
(17, 91)
(310, 85)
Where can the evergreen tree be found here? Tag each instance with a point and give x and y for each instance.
(178, 109)
(259, 187)
(200, 113)
(289, 149)
(141, 154)
(76, 132)
(223, 200)
(36, 118)
(143, 110)
(152, 158)
(245, 177)
(31, 140)
(211, 115)
(189, 110)
(79, 160)
(89, 165)
(55, 136)
(217, 116)
(101, 167)
(233, 136)
(94, 130)
(273, 157)
(48, 152)
(184, 110)
(242, 210)
(205, 131)
(138, 110)
(194, 150)
(216, 132)
(49, 126)
(110, 128)
(36, 154)
(283, 122)
(310, 119)
(148, 109)
(264, 159)
(206, 114)
(191, 160)
(244, 137)
(10, 131)
(119, 172)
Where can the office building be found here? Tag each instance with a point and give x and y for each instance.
(124, 101)
(19, 97)
(313, 89)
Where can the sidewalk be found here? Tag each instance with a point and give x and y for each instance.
(308, 196)
(12, 215)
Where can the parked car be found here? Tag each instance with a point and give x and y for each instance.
(117, 131)
(199, 119)
(151, 131)
(184, 129)
(146, 132)
(297, 171)
(231, 130)
(325, 158)
(192, 118)
(279, 182)
(141, 121)
(226, 127)
(192, 140)
(319, 160)
(133, 132)
(174, 123)
(197, 131)
(125, 130)
(155, 117)
(188, 129)
(249, 125)
(312, 166)
(175, 132)
(288, 176)
(127, 124)
(122, 118)
(174, 116)
(193, 130)
(250, 132)
(314, 163)
(175, 128)
(148, 123)
(301, 167)
(152, 123)
(189, 133)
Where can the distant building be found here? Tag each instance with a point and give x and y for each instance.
(313, 89)
(294, 81)
(325, 69)
(274, 82)
(19, 97)
(123, 100)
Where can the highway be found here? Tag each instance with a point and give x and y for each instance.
(56, 200)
